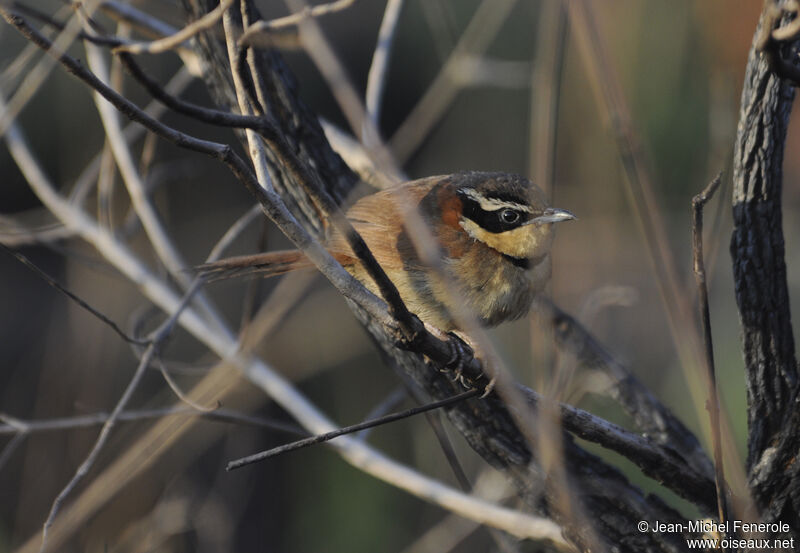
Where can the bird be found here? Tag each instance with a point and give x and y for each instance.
(495, 236)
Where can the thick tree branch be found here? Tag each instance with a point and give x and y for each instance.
(759, 269)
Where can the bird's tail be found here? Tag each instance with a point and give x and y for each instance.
(262, 264)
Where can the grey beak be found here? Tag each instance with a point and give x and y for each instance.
(551, 215)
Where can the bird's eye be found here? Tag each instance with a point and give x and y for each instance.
(509, 216)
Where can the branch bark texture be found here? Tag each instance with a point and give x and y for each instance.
(757, 249)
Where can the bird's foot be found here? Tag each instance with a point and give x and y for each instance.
(489, 388)
(464, 350)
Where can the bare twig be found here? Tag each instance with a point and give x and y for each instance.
(449, 532)
(251, 33)
(58, 286)
(658, 462)
(139, 20)
(386, 404)
(87, 421)
(233, 232)
(229, 236)
(698, 203)
(207, 115)
(150, 26)
(158, 336)
(133, 131)
(322, 438)
(173, 41)
(357, 157)
(376, 78)
(146, 212)
(11, 447)
(36, 76)
(34, 226)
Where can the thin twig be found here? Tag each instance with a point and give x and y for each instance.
(233, 232)
(229, 236)
(132, 132)
(322, 438)
(173, 41)
(386, 404)
(36, 76)
(376, 77)
(698, 203)
(656, 461)
(155, 230)
(58, 286)
(158, 336)
(16, 231)
(96, 419)
(11, 447)
(251, 33)
(207, 115)
(142, 21)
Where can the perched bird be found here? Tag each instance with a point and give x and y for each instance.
(494, 231)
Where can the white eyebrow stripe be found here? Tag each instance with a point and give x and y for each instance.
(493, 204)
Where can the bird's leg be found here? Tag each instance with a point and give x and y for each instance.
(458, 351)
(458, 357)
(460, 340)
(465, 349)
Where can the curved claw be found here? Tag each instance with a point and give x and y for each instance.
(489, 388)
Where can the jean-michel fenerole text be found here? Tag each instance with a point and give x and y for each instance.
(708, 526)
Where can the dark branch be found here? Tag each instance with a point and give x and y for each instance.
(698, 204)
(649, 414)
(660, 463)
(328, 436)
(762, 296)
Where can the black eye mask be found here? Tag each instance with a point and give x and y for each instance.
(496, 221)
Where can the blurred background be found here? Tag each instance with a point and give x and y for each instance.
(680, 66)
